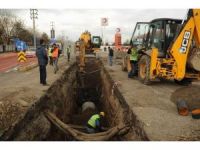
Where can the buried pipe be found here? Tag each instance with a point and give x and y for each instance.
(88, 105)
(78, 135)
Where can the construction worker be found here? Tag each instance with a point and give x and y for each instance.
(94, 124)
(50, 55)
(133, 61)
(42, 61)
(55, 57)
(68, 52)
(110, 55)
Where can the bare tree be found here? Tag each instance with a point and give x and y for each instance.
(21, 32)
(7, 23)
(45, 37)
(18, 28)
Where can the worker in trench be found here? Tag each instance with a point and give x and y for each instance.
(94, 124)
(133, 61)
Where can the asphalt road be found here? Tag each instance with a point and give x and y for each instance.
(9, 61)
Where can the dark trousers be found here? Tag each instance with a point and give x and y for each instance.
(68, 56)
(50, 60)
(133, 71)
(55, 64)
(43, 74)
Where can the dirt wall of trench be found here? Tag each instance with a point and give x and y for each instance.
(58, 99)
(119, 111)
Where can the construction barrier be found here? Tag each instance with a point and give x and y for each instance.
(21, 56)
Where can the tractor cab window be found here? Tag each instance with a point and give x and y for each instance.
(171, 29)
(139, 34)
(157, 38)
(96, 40)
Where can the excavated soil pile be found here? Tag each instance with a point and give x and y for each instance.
(65, 98)
(190, 95)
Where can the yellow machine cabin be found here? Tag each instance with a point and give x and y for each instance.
(87, 45)
(92, 43)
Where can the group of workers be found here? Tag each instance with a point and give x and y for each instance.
(94, 124)
(53, 53)
(52, 57)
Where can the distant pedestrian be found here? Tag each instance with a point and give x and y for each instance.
(105, 49)
(50, 55)
(110, 55)
(42, 61)
(55, 57)
(68, 52)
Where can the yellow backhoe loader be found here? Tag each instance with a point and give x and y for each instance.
(86, 45)
(170, 49)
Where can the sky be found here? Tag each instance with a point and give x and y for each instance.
(72, 22)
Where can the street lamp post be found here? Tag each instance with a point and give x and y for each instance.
(34, 15)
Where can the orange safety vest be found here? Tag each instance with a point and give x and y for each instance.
(55, 52)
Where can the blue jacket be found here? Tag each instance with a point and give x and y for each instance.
(42, 56)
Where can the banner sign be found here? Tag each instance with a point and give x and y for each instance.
(104, 21)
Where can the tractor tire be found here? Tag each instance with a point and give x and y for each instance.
(184, 82)
(144, 69)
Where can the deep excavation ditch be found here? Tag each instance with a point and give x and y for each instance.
(65, 99)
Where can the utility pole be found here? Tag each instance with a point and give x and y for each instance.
(104, 22)
(34, 15)
(102, 37)
(52, 30)
(52, 24)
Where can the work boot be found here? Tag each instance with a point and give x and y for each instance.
(45, 84)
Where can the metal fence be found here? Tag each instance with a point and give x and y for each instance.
(7, 48)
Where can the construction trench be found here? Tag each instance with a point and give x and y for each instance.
(60, 114)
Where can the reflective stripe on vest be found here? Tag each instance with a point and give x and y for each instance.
(92, 120)
(134, 54)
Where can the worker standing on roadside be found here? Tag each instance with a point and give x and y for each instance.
(133, 61)
(42, 61)
(50, 55)
(94, 124)
(110, 55)
(55, 57)
(68, 52)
